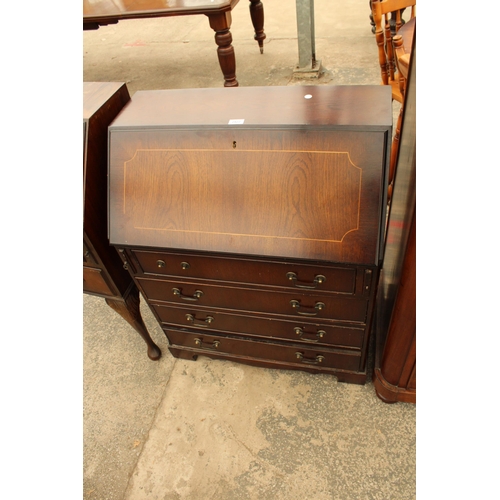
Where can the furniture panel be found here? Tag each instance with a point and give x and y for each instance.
(162, 194)
(164, 177)
(297, 330)
(88, 255)
(395, 326)
(94, 281)
(103, 272)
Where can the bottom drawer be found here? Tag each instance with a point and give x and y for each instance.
(290, 354)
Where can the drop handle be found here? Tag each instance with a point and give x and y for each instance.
(200, 343)
(315, 361)
(309, 311)
(318, 280)
(194, 298)
(301, 333)
(199, 322)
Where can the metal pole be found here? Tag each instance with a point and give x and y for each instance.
(306, 37)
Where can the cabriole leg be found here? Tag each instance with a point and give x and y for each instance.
(129, 310)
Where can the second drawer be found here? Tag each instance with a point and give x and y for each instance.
(293, 303)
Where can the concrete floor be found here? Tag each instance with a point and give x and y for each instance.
(176, 429)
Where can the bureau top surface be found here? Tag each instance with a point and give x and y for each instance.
(367, 106)
(95, 94)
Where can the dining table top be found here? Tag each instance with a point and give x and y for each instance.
(124, 9)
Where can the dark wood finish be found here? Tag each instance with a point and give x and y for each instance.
(258, 325)
(102, 12)
(395, 364)
(348, 107)
(202, 343)
(293, 303)
(257, 15)
(94, 282)
(324, 193)
(295, 275)
(103, 272)
(253, 219)
(395, 378)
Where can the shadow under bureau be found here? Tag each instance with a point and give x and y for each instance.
(252, 219)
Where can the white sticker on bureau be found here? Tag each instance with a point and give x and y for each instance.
(239, 121)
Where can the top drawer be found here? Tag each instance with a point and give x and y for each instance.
(240, 270)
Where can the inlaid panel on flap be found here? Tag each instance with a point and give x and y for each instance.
(183, 191)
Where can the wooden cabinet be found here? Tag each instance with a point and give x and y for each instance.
(103, 272)
(395, 324)
(252, 219)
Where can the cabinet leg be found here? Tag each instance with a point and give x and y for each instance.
(257, 16)
(221, 23)
(129, 310)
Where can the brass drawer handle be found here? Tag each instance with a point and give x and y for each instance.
(196, 296)
(318, 280)
(301, 332)
(316, 361)
(160, 263)
(199, 322)
(319, 306)
(185, 266)
(214, 345)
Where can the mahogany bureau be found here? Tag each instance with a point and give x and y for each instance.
(103, 273)
(252, 219)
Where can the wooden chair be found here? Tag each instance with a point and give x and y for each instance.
(393, 52)
(103, 12)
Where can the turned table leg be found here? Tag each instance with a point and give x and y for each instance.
(221, 23)
(128, 309)
(257, 15)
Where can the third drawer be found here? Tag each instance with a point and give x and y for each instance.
(307, 332)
